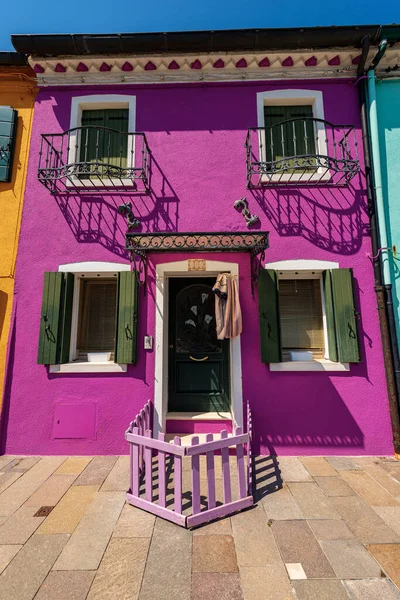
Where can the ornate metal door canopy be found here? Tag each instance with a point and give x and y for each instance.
(140, 244)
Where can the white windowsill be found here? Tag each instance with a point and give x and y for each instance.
(88, 367)
(309, 365)
(199, 416)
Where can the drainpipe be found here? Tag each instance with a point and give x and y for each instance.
(379, 236)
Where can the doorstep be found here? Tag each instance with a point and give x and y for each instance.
(186, 438)
(199, 416)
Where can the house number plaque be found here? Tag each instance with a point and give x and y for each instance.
(196, 264)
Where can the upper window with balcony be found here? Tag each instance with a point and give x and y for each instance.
(100, 151)
(294, 144)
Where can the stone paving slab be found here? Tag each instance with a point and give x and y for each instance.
(393, 468)
(51, 491)
(27, 571)
(371, 589)
(330, 530)
(24, 464)
(67, 514)
(254, 541)
(317, 466)
(369, 489)
(7, 553)
(20, 526)
(342, 463)
(281, 506)
(384, 478)
(297, 544)
(363, 521)
(213, 586)
(19, 492)
(7, 479)
(350, 560)
(266, 583)
(86, 546)
(74, 465)
(118, 478)
(221, 527)
(334, 486)
(66, 585)
(214, 554)
(391, 516)
(97, 470)
(121, 570)
(134, 522)
(312, 501)
(292, 469)
(388, 556)
(171, 546)
(320, 589)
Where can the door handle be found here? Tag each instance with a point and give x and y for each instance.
(198, 359)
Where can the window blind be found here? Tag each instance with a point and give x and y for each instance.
(301, 316)
(97, 316)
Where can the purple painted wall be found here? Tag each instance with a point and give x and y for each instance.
(196, 134)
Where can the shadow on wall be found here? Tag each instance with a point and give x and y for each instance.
(3, 309)
(313, 415)
(94, 218)
(334, 219)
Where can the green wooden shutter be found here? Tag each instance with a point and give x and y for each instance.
(8, 131)
(329, 315)
(127, 318)
(66, 317)
(303, 131)
(341, 315)
(268, 307)
(55, 318)
(102, 145)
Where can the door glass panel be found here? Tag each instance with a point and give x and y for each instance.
(195, 321)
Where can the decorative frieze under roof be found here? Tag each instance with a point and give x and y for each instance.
(290, 64)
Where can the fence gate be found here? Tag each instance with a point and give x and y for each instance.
(189, 485)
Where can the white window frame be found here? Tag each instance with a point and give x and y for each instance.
(307, 269)
(290, 98)
(87, 270)
(100, 102)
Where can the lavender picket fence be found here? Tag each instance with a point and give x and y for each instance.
(155, 462)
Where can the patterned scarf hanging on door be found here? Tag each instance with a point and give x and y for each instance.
(227, 307)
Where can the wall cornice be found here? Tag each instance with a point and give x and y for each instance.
(83, 70)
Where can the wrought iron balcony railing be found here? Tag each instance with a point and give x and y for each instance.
(88, 159)
(301, 151)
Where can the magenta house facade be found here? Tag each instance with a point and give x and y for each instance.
(154, 167)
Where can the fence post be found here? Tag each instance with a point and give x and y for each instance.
(161, 473)
(226, 476)
(195, 478)
(148, 470)
(240, 465)
(210, 473)
(177, 479)
(134, 474)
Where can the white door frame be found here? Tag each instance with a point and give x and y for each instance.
(181, 269)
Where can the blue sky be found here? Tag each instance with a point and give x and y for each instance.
(120, 16)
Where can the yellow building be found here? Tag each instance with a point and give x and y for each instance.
(17, 95)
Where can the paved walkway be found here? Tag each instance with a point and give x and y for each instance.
(323, 529)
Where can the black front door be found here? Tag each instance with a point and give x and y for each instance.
(198, 361)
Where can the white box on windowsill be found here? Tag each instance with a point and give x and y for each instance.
(99, 357)
(296, 355)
